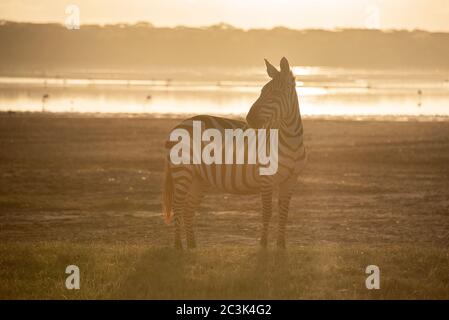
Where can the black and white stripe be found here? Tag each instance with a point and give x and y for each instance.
(276, 108)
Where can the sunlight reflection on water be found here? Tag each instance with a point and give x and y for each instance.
(319, 95)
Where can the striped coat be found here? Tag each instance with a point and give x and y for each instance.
(277, 107)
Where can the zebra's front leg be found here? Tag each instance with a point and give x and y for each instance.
(267, 200)
(285, 195)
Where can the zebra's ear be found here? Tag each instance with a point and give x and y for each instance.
(285, 67)
(271, 70)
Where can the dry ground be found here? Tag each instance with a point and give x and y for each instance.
(87, 189)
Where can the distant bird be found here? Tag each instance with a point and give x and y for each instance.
(419, 94)
(147, 100)
(44, 99)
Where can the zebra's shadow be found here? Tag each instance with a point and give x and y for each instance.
(231, 273)
(158, 274)
(271, 271)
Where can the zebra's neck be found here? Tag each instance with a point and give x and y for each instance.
(291, 147)
(291, 133)
(292, 125)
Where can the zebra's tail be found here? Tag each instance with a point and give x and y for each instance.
(167, 194)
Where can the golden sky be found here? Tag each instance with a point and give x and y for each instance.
(430, 15)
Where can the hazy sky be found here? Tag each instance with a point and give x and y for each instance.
(387, 14)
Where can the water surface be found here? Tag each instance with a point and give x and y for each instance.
(322, 91)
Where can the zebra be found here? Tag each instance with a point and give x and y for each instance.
(277, 107)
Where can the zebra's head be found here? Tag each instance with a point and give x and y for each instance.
(278, 99)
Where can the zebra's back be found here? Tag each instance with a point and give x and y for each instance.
(230, 178)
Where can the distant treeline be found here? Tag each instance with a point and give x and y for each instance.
(129, 47)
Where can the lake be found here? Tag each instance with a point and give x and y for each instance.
(322, 92)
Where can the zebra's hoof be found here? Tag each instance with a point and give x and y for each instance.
(264, 243)
(191, 244)
(281, 244)
(178, 245)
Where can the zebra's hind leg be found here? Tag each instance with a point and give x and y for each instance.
(267, 200)
(178, 208)
(193, 200)
(182, 179)
(285, 194)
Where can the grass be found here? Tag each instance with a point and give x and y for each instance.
(37, 271)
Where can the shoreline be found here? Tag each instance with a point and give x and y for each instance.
(169, 116)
